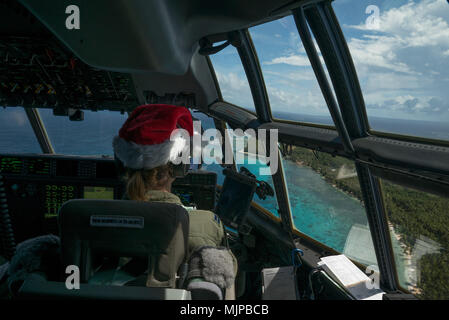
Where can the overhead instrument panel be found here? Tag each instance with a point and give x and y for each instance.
(40, 72)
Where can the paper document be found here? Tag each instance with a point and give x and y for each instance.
(346, 273)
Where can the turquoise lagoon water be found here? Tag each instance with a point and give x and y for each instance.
(319, 210)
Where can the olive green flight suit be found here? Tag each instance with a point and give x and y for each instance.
(206, 228)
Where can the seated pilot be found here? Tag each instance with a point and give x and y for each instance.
(146, 151)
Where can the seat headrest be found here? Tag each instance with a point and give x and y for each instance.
(123, 228)
(116, 224)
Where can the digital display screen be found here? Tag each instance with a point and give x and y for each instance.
(235, 199)
(202, 178)
(106, 170)
(67, 168)
(39, 166)
(197, 189)
(55, 196)
(103, 193)
(186, 196)
(11, 165)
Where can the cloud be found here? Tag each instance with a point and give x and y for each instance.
(293, 60)
(284, 22)
(18, 117)
(412, 104)
(291, 77)
(235, 89)
(308, 101)
(232, 81)
(296, 54)
(403, 65)
(391, 81)
(416, 24)
(284, 94)
(413, 25)
(378, 51)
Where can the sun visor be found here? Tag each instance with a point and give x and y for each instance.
(120, 35)
(132, 36)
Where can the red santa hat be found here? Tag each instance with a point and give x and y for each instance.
(144, 139)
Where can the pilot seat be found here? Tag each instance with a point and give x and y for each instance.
(149, 241)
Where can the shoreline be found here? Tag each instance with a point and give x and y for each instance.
(334, 185)
(406, 258)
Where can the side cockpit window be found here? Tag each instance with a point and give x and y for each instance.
(247, 155)
(417, 222)
(232, 79)
(292, 87)
(210, 164)
(326, 203)
(242, 155)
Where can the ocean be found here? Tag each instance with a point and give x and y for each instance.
(319, 210)
(417, 128)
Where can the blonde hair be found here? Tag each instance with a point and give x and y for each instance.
(139, 182)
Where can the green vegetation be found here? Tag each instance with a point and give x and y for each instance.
(415, 213)
(412, 214)
(434, 282)
(419, 215)
(329, 167)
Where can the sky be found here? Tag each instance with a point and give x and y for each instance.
(401, 55)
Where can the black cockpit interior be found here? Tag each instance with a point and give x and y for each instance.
(345, 187)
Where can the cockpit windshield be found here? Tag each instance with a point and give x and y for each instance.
(92, 136)
(16, 133)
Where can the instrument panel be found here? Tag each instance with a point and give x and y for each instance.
(197, 190)
(39, 72)
(38, 185)
(57, 167)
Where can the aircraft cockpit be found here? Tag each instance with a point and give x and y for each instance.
(323, 135)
